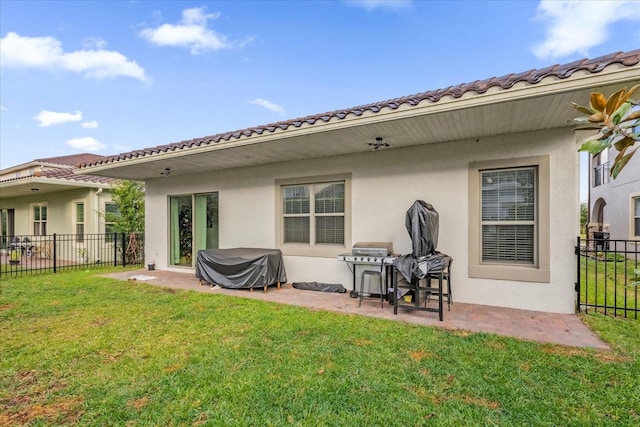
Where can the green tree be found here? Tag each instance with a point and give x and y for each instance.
(618, 125)
(129, 198)
(583, 215)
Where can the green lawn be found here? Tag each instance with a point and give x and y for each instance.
(78, 349)
(611, 283)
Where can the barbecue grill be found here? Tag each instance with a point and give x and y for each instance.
(375, 256)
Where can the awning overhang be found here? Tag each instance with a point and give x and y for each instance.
(41, 185)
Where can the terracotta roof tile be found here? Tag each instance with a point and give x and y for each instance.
(534, 76)
(70, 160)
(65, 174)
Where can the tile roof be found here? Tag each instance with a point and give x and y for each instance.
(70, 160)
(534, 76)
(68, 175)
(67, 172)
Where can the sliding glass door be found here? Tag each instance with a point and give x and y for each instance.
(193, 225)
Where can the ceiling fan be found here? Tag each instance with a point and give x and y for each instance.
(378, 144)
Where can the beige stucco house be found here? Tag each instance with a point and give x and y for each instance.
(614, 205)
(496, 158)
(45, 196)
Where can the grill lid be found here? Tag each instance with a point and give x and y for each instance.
(372, 248)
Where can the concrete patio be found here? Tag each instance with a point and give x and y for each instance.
(563, 329)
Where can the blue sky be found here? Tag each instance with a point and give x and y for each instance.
(109, 77)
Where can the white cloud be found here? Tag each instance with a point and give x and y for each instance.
(94, 42)
(3, 108)
(379, 4)
(268, 105)
(48, 118)
(191, 32)
(46, 53)
(90, 125)
(86, 144)
(576, 26)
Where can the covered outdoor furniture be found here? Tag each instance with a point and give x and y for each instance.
(424, 264)
(25, 247)
(241, 268)
(421, 289)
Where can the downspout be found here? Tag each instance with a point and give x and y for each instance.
(97, 210)
(589, 166)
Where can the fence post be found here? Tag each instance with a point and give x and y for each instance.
(124, 251)
(115, 249)
(577, 284)
(55, 253)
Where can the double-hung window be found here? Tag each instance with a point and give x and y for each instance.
(111, 213)
(40, 220)
(79, 222)
(635, 221)
(509, 219)
(313, 213)
(508, 215)
(313, 216)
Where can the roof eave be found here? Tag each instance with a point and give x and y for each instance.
(612, 74)
(52, 181)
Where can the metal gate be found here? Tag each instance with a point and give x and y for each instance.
(608, 276)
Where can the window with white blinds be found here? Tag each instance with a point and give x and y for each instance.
(314, 213)
(636, 217)
(508, 209)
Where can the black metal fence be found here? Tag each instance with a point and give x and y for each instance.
(33, 254)
(608, 276)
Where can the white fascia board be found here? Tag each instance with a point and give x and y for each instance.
(53, 181)
(614, 74)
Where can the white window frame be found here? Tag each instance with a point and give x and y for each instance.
(510, 223)
(634, 234)
(76, 222)
(108, 238)
(312, 248)
(32, 206)
(540, 270)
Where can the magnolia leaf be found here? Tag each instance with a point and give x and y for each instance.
(598, 101)
(629, 94)
(618, 115)
(629, 124)
(593, 146)
(596, 117)
(588, 126)
(617, 122)
(618, 165)
(633, 116)
(612, 102)
(582, 109)
(624, 144)
(579, 120)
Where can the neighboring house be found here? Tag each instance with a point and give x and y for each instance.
(497, 159)
(45, 196)
(614, 205)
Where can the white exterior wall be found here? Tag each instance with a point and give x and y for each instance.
(384, 185)
(617, 193)
(60, 210)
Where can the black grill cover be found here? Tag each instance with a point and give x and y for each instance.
(422, 224)
(320, 287)
(241, 267)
